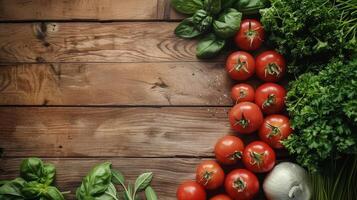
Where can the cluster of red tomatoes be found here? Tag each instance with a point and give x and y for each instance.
(256, 110)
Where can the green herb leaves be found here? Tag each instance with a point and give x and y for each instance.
(209, 46)
(323, 111)
(214, 20)
(35, 182)
(228, 23)
(187, 6)
(99, 185)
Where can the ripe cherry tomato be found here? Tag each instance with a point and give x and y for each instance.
(240, 65)
(270, 97)
(259, 157)
(190, 190)
(220, 197)
(242, 92)
(250, 35)
(274, 129)
(209, 174)
(245, 117)
(270, 66)
(229, 149)
(241, 184)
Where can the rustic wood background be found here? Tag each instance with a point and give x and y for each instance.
(86, 81)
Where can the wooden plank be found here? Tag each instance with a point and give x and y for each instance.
(168, 173)
(114, 132)
(186, 83)
(100, 10)
(94, 42)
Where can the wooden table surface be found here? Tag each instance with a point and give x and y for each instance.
(87, 81)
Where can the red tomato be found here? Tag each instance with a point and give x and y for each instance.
(270, 97)
(250, 35)
(245, 117)
(190, 190)
(259, 157)
(242, 92)
(220, 197)
(240, 65)
(270, 66)
(229, 150)
(274, 129)
(209, 174)
(241, 184)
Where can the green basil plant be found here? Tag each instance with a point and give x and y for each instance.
(35, 183)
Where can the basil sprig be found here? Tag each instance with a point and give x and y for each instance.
(35, 182)
(99, 184)
(214, 20)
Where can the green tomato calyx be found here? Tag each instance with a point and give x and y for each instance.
(271, 100)
(206, 177)
(274, 130)
(242, 122)
(272, 69)
(256, 158)
(240, 65)
(239, 184)
(236, 155)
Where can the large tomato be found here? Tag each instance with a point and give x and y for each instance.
(250, 35)
(229, 150)
(242, 92)
(270, 66)
(245, 117)
(220, 197)
(259, 157)
(270, 97)
(240, 65)
(275, 128)
(209, 174)
(241, 184)
(190, 190)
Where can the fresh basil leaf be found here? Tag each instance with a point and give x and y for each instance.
(117, 177)
(249, 7)
(202, 20)
(228, 23)
(187, 29)
(49, 172)
(212, 6)
(33, 190)
(53, 193)
(187, 6)
(96, 182)
(209, 46)
(12, 189)
(143, 181)
(31, 169)
(150, 194)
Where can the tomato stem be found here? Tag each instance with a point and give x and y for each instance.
(240, 65)
(274, 130)
(269, 101)
(272, 69)
(239, 184)
(236, 155)
(242, 122)
(206, 177)
(256, 158)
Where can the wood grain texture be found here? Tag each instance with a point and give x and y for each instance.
(168, 173)
(99, 10)
(94, 42)
(188, 83)
(114, 132)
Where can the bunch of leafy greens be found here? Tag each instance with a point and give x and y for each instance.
(99, 184)
(323, 111)
(214, 20)
(35, 183)
(337, 180)
(310, 32)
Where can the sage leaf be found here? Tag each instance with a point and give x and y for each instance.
(187, 29)
(209, 46)
(117, 177)
(143, 181)
(109, 194)
(150, 193)
(187, 6)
